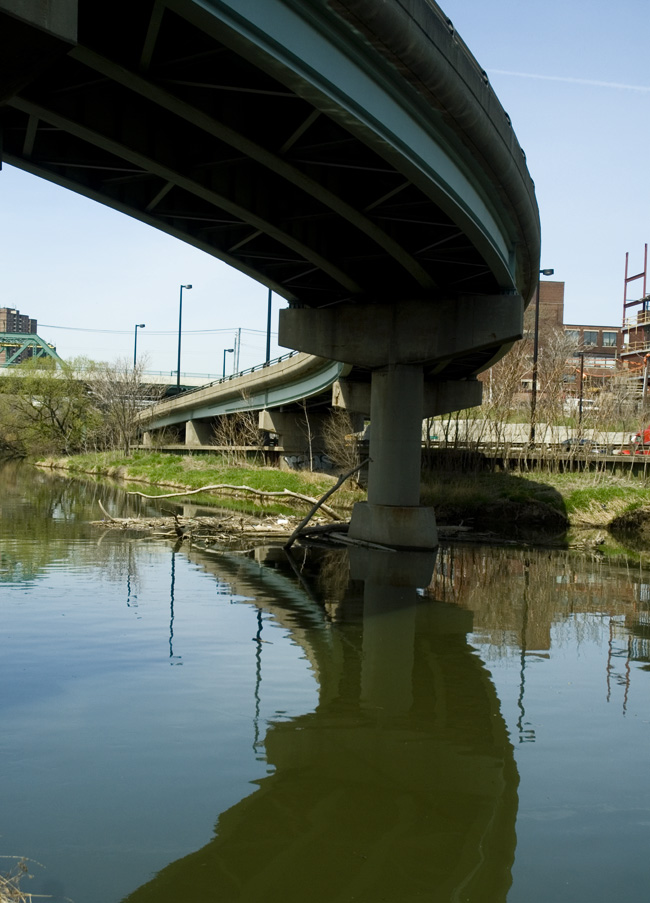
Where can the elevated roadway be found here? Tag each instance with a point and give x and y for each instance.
(291, 379)
(349, 154)
(160, 379)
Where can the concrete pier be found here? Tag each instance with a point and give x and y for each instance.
(403, 345)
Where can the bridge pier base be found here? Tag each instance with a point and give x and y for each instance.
(392, 516)
(198, 433)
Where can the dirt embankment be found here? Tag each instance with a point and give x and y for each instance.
(504, 515)
(633, 524)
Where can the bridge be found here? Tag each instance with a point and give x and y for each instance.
(349, 155)
(163, 380)
(384, 787)
(14, 344)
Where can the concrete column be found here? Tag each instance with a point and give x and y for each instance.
(147, 440)
(392, 516)
(395, 435)
(198, 433)
(293, 434)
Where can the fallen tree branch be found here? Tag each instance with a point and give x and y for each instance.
(319, 503)
(258, 492)
(114, 520)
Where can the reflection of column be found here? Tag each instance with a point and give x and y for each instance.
(401, 784)
(392, 515)
(388, 635)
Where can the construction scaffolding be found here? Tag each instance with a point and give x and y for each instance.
(636, 315)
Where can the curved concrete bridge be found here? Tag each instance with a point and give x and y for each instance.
(348, 154)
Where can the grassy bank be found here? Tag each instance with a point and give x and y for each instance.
(164, 473)
(550, 501)
(580, 499)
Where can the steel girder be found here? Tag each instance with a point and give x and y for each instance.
(310, 145)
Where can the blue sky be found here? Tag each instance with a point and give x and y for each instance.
(572, 76)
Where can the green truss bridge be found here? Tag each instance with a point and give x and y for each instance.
(15, 343)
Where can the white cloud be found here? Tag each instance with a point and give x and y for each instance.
(644, 89)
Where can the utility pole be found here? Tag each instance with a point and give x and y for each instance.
(268, 328)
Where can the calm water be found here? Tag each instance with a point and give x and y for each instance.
(178, 725)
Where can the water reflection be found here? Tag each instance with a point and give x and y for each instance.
(43, 516)
(396, 783)
(518, 597)
(402, 782)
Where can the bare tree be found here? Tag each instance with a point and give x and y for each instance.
(307, 430)
(120, 391)
(235, 433)
(339, 440)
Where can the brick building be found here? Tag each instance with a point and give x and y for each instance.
(598, 347)
(12, 321)
(551, 308)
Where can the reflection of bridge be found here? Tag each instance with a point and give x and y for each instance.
(349, 155)
(400, 785)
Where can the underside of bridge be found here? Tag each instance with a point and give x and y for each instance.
(348, 154)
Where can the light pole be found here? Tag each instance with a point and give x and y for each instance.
(225, 352)
(581, 358)
(268, 327)
(180, 320)
(135, 342)
(533, 393)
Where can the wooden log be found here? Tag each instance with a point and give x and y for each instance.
(319, 503)
(258, 492)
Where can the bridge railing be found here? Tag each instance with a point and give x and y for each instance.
(226, 379)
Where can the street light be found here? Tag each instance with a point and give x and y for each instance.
(268, 327)
(581, 356)
(135, 342)
(180, 320)
(225, 352)
(533, 394)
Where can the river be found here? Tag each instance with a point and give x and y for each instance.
(189, 725)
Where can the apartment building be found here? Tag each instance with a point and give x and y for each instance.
(12, 321)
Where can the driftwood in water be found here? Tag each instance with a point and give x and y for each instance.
(226, 529)
(113, 520)
(260, 493)
(319, 503)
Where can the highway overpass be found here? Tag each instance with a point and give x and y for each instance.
(348, 154)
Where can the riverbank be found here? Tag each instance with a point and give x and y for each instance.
(165, 474)
(502, 503)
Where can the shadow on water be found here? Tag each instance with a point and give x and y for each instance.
(400, 785)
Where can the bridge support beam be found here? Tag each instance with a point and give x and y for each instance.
(198, 433)
(405, 345)
(392, 515)
(297, 433)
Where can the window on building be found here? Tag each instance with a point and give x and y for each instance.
(609, 339)
(573, 335)
(590, 337)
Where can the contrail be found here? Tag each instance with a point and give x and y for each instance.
(644, 89)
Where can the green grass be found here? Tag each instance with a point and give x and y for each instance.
(164, 473)
(585, 498)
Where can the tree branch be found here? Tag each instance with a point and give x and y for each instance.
(258, 492)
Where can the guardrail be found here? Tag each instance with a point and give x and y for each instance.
(226, 379)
